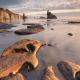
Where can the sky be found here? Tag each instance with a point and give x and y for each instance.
(36, 8)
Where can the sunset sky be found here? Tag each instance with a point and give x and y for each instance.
(37, 8)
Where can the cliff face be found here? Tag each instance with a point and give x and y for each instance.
(6, 14)
(50, 15)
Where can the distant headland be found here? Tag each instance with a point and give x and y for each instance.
(7, 14)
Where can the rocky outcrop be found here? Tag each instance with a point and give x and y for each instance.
(17, 76)
(6, 14)
(15, 56)
(63, 71)
(50, 15)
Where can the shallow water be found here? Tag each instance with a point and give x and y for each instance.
(66, 47)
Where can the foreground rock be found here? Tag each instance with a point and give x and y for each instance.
(29, 31)
(52, 73)
(15, 56)
(63, 71)
(68, 69)
(50, 15)
(17, 76)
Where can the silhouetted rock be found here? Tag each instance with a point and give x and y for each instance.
(15, 56)
(24, 17)
(50, 15)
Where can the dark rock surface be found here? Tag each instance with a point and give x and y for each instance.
(16, 76)
(15, 56)
(68, 69)
(50, 15)
(29, 31)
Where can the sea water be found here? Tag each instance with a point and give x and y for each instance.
(65, 47)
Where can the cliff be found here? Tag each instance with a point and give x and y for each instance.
(6, 14)
(50, 15)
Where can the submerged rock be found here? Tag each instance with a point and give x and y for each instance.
(17, 76)
(29, 31)
(5, 34)
(15, 56)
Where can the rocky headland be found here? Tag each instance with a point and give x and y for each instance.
(50, 15)
(7, 14)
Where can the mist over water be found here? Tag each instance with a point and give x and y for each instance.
(65, 48)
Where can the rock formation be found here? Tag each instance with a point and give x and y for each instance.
(15, 56)
(24, 17)
(50, 15)
(63, 71)
(7, 14)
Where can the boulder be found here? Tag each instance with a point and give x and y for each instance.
(68, 69)
(52, 73)
(52, 29)
(17, 76)
(70, 34)
(51, 44)
(5, 34)
(29, 31)
(15, 56)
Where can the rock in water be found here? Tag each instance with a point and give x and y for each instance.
(70, 34)
(17, 76)
(50, 15)
(68, 69)
(51, 44)
(15, 56)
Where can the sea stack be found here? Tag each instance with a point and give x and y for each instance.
(24, 17)
(50, 15)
